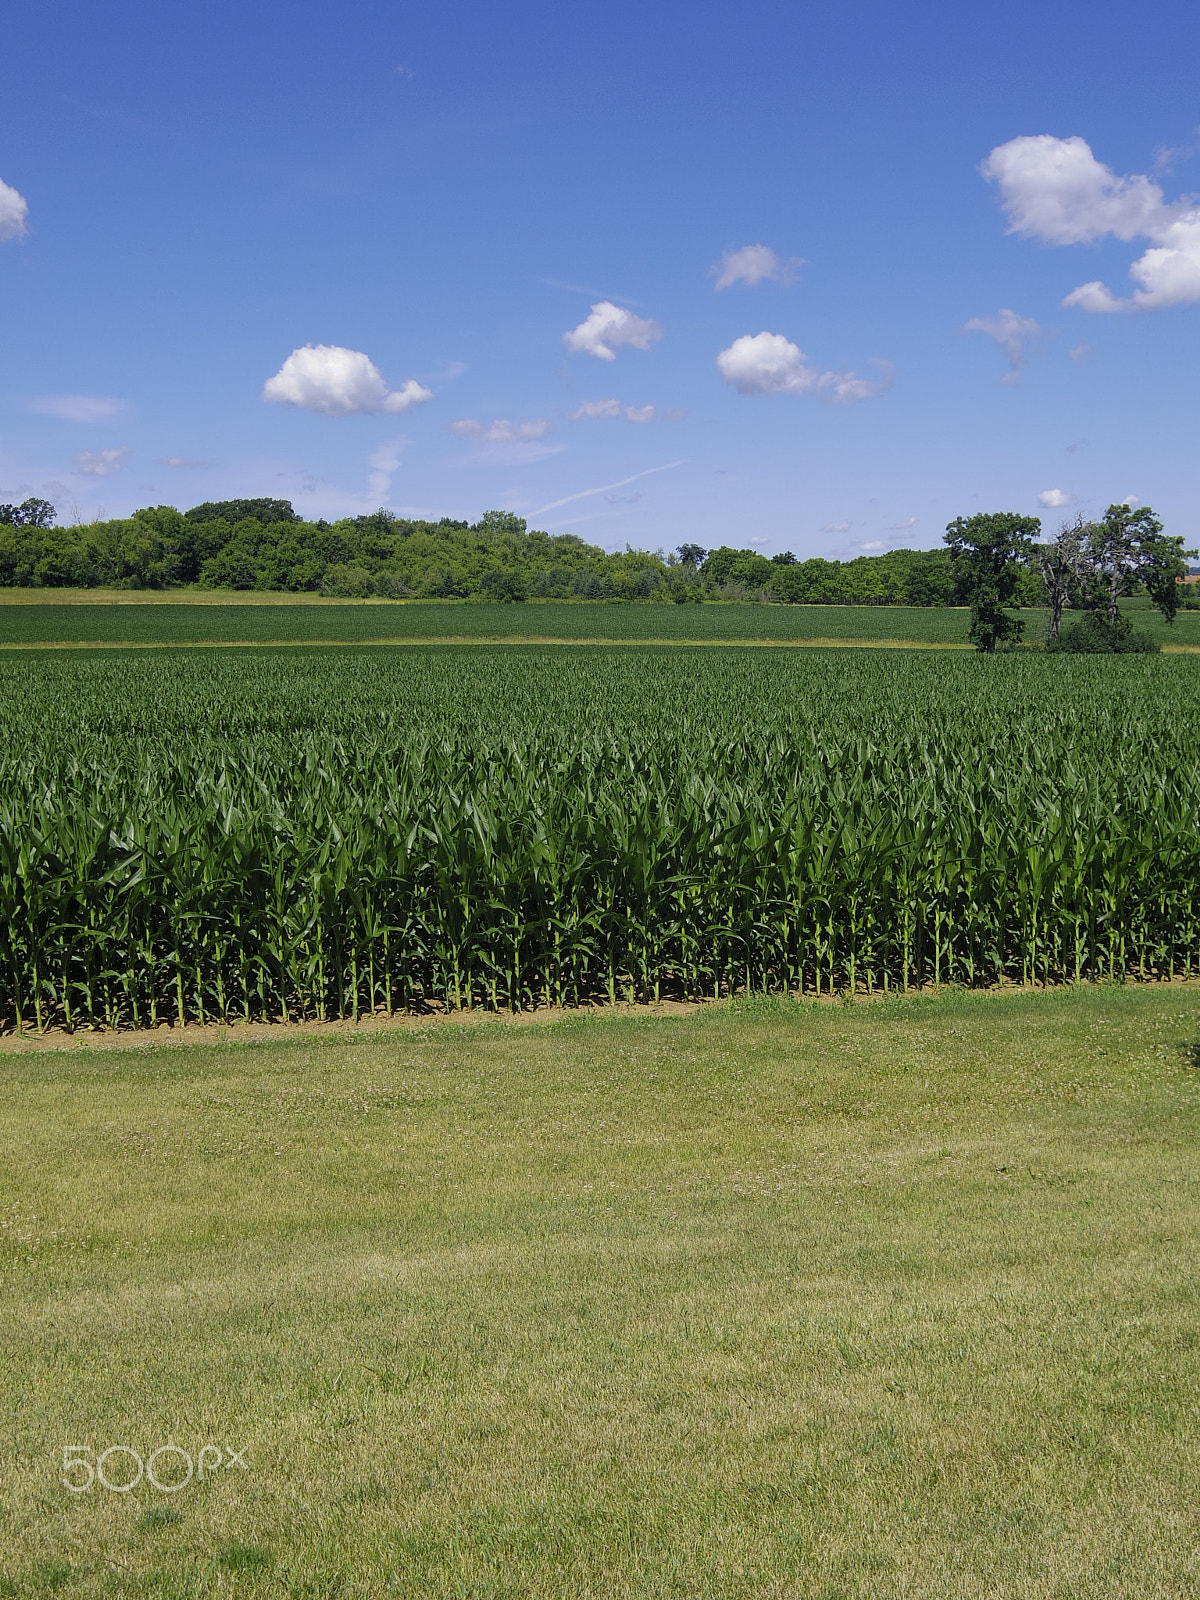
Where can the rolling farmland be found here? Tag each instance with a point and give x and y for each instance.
(199, 836)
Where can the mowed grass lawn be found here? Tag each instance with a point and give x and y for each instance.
(768, 1300)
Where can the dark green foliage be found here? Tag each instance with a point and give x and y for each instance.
(500, 525)
(561, 583)
(683, 589)
(900, 578)
(744, 567)
(209, 836)
(1095, 564)
(349, 582)
(1092, 634)
(990, 552)
(504, 587)
(265, 512)
(1129, 549)
(264, 545)
(33, 513)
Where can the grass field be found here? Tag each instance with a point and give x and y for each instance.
(767, 1300)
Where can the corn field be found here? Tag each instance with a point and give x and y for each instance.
(200, 836)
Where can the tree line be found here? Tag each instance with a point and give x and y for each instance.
(991, 562)
(265, 545)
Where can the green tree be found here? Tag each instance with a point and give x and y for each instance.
(500, 524)
(1130, 548)
(264, 512)
(746, 567)
(929, 578)
(32, 513)
(506, 587)
(990, 550)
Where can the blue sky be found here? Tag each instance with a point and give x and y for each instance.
(439, 194)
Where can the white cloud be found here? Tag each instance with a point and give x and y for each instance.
(767, 363)
(77, 407)
(1056, 191)
(1166, 156)
(1053, 498)
(383, 461)
(607, 328)
(755, 263)
(188, 463)
(338, 383)
(101, 463)
(13, 212)
(844, 389)
(597, 408)
(501, 431)
(1131, 500)
(836, 527)
(903, 527)
(1010, 332)
(612, 408)
(1080, 352)
(872, 544)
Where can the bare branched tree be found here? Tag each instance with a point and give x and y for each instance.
(1063, 568)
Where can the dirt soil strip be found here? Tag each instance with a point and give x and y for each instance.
(195, 1033)
(29, 1039)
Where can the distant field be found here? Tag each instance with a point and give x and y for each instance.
(29, 617)
(172, 622)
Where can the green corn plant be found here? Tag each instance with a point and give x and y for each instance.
(329, 835)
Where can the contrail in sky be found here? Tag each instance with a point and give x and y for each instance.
(605, 487)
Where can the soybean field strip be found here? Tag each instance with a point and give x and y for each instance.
(330, 621)
(207, 836)
(35, 619)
